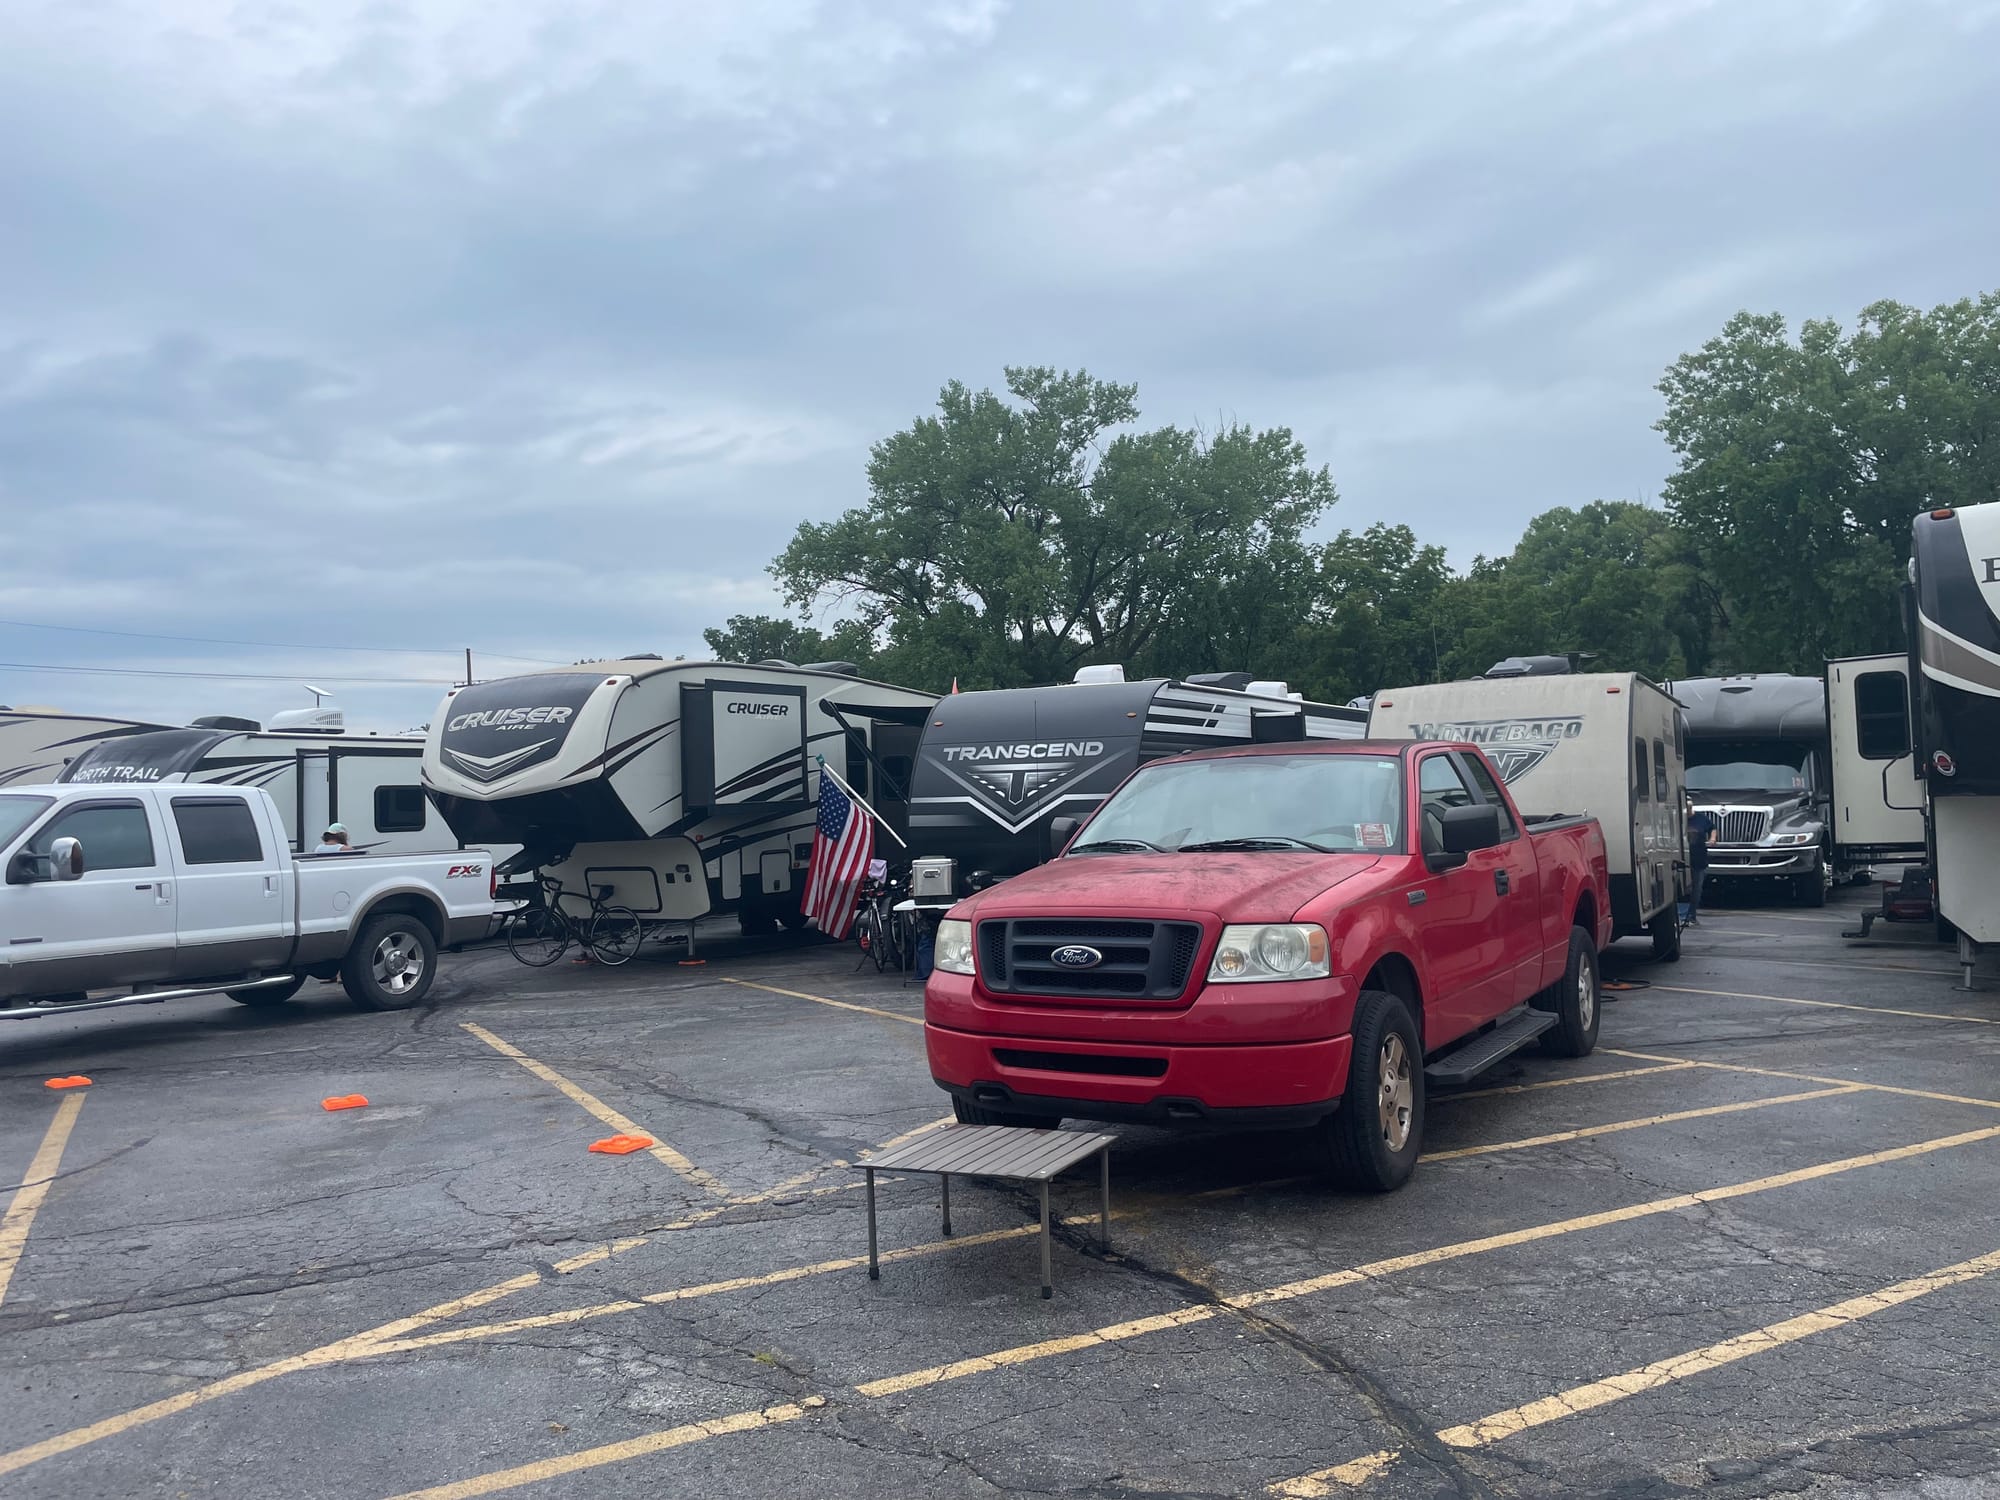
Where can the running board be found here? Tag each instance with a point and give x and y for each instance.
(1469, 1059)
(149, 997)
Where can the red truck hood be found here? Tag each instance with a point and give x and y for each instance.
(1249, 887)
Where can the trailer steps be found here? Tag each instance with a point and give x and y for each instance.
(1470, 1058)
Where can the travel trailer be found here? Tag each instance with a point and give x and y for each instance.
(996, 768)
(686, 787)
(1608, 744)
(1759, 763)
(1955, 675)
(1877, 794)
(36, 743)
(316, 771)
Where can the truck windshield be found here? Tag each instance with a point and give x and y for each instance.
(1743, 768)
(1335, 803)
(17, 813)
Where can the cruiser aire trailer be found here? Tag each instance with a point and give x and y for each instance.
(688, 788)
(1955, 680)
(1607, 744)
(318, 774)
(996, 768)
(1759, 763)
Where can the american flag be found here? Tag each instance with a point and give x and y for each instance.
(843, 843)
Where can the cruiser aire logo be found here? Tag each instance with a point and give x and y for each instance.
(1515, 746)
(509, 718)
(776, 710)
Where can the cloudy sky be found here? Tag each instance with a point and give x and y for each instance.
(537, 325)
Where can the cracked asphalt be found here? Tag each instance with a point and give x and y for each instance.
(1703, 1260)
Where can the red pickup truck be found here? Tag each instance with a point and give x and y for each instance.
(1282, 934)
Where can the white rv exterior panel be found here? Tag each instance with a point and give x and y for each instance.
(1968, 834)
(1878, 799)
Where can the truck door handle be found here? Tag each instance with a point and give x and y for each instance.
(270, 885)
(1500, 882)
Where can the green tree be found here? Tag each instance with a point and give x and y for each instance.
(1008, 541)
(1802, 462)
(748, 638)
(1378, 617)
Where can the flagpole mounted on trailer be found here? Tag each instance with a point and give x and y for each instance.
(861, 802)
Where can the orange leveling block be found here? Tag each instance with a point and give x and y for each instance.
(621, 1145)
(344, 1101)
(74, 1081)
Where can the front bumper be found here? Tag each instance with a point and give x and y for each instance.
(1743, 861)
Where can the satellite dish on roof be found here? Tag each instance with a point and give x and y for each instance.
(320, 695)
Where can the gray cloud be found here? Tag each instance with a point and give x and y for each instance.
(538, 326)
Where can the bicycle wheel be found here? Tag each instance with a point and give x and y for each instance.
(615, 935)
(537, 937)
(903, 940)
(868, 934)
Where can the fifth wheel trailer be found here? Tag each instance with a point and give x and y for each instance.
(1610, 745)
(36, 743)
(686, 787)
(1955, 678)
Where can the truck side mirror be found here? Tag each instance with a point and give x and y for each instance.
(1463, 830)
(66, 860)
(1061, 831)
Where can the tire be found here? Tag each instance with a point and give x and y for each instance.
(391, 965)
(977, 1114)
(615, 935)
(1666, 931)
(868, 936)
(1373, 1140)
(537, 937)
(268, 997)
(1576, 1001)
(1812, 888)
(792, 919)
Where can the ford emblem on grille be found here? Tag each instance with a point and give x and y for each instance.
(1076, 956)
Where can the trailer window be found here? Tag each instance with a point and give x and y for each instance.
(399, 809)
(1642, 778)
(1490, 790)
(114, 835)
(1660, 791)
(1882, 715)
(217, 832)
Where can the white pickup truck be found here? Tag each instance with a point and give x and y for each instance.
(168, 891)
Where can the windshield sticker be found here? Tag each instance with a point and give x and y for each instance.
(1372, 835)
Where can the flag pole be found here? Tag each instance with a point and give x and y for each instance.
(860, 802)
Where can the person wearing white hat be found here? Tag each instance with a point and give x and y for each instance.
(334, 841)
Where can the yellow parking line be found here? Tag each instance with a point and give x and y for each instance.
(911, 1135)
(866, 1010)
(596, 1107)
(1350, 1475)
(1874, 1088)
(1187, 1316)
(27, 1201)
(1489, 1430)
(1555, 1083)
(1873, 1010)
(614, 1453)
(1587, 1131)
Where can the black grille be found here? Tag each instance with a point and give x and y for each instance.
(1135, 960)
(1083, 1062)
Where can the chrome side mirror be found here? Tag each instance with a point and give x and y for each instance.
(65, 860)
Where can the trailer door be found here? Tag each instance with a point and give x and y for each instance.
(1878, 798)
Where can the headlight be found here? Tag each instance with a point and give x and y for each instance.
(1267, 951)
(952, 948)
(1810, 836)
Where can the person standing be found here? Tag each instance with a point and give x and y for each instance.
(1702, 829)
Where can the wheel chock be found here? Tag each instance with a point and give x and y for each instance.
(74, 1081)
(621, 1145)
(344, 1101)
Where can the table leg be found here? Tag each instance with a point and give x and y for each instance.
(874, 1266)
(1047, 1289)
(1104, 1197)
(944, 1184)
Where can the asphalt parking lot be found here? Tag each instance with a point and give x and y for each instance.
(1747, 1248)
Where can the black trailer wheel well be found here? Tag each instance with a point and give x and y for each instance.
(1397, 975)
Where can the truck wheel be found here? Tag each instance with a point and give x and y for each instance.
(1812, 888)
(1666, 931)
(392, 963)
(1372, 1141)
(1575, 999)
(268, 997)
(977, 1114)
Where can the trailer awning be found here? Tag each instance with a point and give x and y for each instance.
(887, 713)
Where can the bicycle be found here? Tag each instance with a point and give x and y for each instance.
(542, 933)
(881, 932)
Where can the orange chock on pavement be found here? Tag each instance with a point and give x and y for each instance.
(693, 963)
(621, 1145)
(344, 1101)
(74, 1081)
